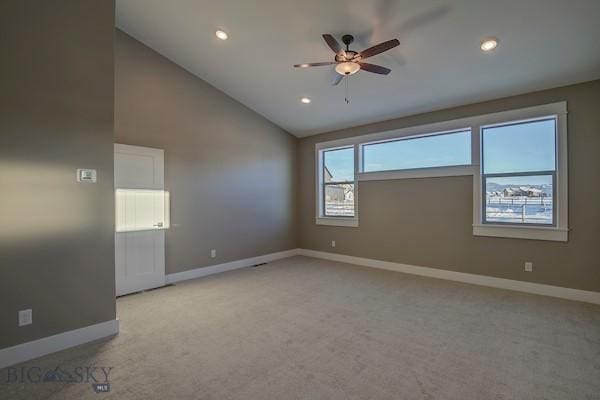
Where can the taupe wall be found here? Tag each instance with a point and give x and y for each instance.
(401, 220)
(56, 115)
(231, 173)
(235, 178)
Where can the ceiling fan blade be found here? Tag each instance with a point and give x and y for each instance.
(333, 44)
(376, 69)
(317, 64)
(337, 79)
(379, 48)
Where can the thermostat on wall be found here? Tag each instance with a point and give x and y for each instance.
(86, 175)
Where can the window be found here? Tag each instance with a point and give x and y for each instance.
(519, 172)
(338, 182)
(437, 150)
(517, 161)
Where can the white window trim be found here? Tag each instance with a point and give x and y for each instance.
(338, 221)
(522, 232)
(321, 218)
(559, 232)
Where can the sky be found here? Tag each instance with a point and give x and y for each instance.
(509, 148)
(340, 163)
(423, 152)
(519, 148)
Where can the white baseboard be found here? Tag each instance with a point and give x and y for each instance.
(482, 280)
(51, 344)
(40, 347)
(215, 269)
(501, 283)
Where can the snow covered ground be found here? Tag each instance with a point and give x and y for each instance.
(339, 209)
(529, 210)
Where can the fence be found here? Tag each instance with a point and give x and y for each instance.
(339, 208)
(531, 210)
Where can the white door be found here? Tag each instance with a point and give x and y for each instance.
(141, 217)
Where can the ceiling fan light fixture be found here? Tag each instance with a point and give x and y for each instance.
(347, 68)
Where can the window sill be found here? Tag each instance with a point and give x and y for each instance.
(522, 232)
(337, 221)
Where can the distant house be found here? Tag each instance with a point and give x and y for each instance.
(509, 192)
(339, 193)
(349, 196)
(533, 192)
(523, 191)
(334, 194)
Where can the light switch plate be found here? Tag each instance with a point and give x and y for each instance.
(25, 317)
(86, 175)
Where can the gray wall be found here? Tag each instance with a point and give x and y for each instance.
(230, 172)
(401, 221)
(56, 115)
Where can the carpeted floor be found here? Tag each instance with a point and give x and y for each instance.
(303, 328)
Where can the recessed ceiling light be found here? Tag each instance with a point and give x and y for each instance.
(221, 34)
(304, 65)
(305, 100)
(489, 44)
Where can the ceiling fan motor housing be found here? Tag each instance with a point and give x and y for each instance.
(348, 55)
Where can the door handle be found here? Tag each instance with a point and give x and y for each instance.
(159, 225)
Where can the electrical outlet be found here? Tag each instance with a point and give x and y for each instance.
(213, 253)
(333, 243)
(528, 266)
(25, 317)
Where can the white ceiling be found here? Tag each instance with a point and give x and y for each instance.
(543, 43)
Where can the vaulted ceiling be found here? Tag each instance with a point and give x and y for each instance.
(543, 43)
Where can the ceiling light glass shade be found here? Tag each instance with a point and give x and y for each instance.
(347, 68)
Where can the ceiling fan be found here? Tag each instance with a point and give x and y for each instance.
(348, 62)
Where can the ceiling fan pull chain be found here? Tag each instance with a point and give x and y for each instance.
(346, 90)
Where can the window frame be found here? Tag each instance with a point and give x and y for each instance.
(485, 176)
(558, 231)
(324, 185)
(321, 217)
(483, 204)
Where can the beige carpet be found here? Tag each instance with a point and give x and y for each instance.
(303, 328)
